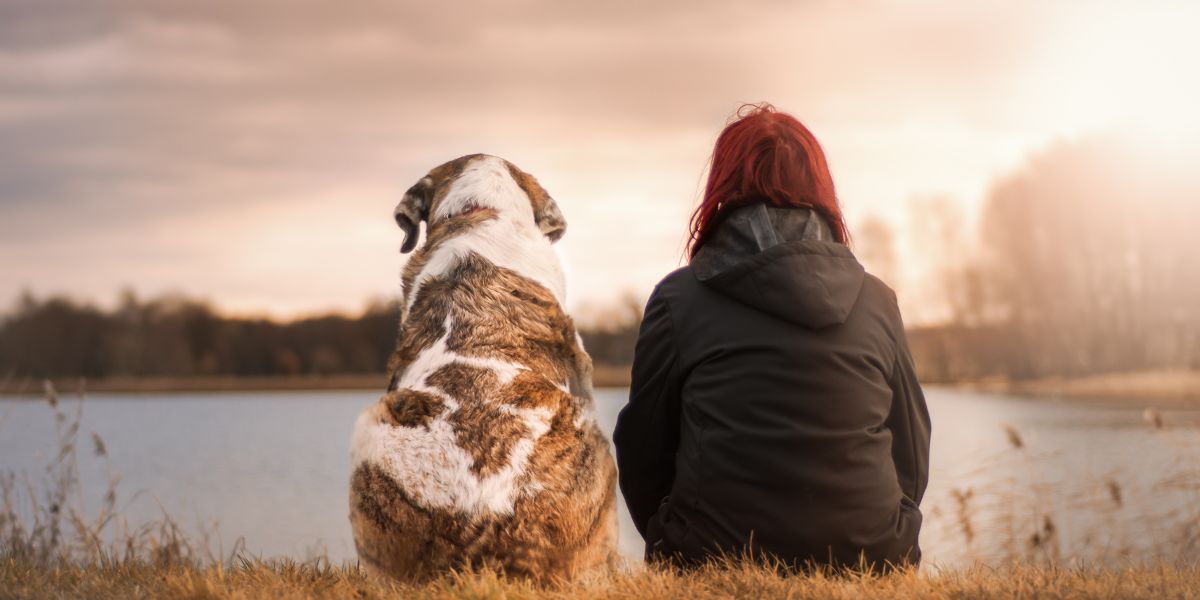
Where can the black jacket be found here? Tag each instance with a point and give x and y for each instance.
(774, 406)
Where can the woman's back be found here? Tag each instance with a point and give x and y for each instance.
(774, 402)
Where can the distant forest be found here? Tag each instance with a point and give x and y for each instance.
(1085, 261)
(175, 336)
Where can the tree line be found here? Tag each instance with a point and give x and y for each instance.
(177, 336)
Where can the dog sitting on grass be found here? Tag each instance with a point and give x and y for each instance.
(485, 452)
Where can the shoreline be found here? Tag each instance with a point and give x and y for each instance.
(1174, 388)
(603, 376)
(1171, 388)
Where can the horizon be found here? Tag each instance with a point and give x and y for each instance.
(215, 152)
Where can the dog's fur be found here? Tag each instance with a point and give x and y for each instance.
(485, 451)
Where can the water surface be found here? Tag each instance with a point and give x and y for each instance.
(273, 467)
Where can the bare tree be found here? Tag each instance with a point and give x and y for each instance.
(875, 246)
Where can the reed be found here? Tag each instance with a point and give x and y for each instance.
(1014, 513)
(44, 518)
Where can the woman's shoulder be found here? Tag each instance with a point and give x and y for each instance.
(879, 288)
(680, 276)
(678, 283)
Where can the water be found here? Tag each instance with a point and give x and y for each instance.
(273, 467)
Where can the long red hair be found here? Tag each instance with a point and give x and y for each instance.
(765, 156)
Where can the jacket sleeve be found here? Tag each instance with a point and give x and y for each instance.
(909, 423)
(647, 433)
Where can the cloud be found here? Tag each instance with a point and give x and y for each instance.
(201, 118)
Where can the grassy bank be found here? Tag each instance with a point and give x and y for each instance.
(314, 580)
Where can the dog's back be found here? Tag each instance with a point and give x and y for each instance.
(485, 450)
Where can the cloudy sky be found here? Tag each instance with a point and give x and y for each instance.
(251, 152)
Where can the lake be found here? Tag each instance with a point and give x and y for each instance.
(1010, 476)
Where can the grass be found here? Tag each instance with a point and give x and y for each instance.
(46, 521)
(52, 546)
(284, 579)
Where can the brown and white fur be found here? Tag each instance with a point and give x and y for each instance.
(485, 450)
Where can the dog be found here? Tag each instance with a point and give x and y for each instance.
(485, 451)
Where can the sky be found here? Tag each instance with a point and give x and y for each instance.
(251, 153)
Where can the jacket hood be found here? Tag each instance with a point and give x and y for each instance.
(783, 261)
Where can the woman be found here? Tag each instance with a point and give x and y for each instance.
(774, 409)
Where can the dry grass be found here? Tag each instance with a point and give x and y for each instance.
(318, 580)
(46, 521)
(1008, 509)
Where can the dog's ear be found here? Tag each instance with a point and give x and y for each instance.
(550, 220)
(546, 214)
(413, 209)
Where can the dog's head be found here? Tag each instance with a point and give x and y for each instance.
(474, 182)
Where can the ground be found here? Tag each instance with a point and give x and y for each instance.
(317, 580)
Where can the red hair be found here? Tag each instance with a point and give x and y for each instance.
(765, 156)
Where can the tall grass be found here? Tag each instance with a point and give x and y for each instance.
(1016, 513)
(44, 518)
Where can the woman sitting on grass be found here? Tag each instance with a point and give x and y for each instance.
(774, 409)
